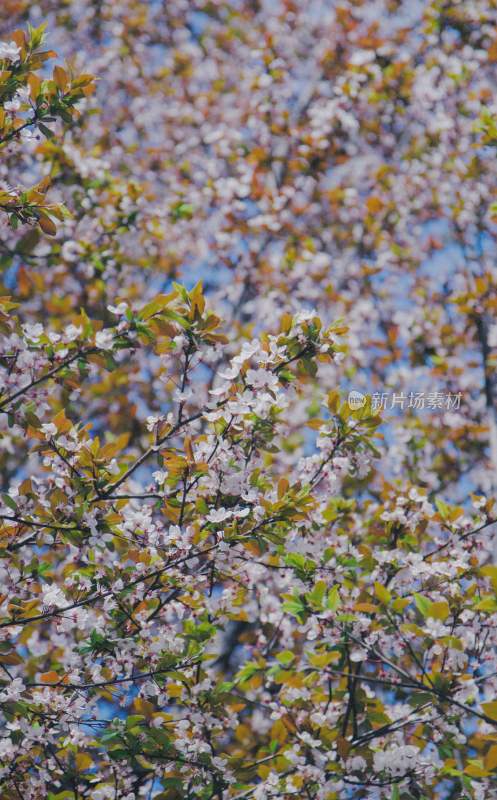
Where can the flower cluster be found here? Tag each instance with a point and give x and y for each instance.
(218, 580)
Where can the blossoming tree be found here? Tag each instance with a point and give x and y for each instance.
(220, 577)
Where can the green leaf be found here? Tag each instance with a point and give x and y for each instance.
(46, 131)
(316, 597)
(382, 593)
(295, 607)
(488, 603)
(109, 736)
(7, 499)
(442, 508)
(182, 211)
(134, 719)
(333, 601)
(285, 657)
(303, 566)
(423, 604)
(248, 671)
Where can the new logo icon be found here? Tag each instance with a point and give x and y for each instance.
(356, 400)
